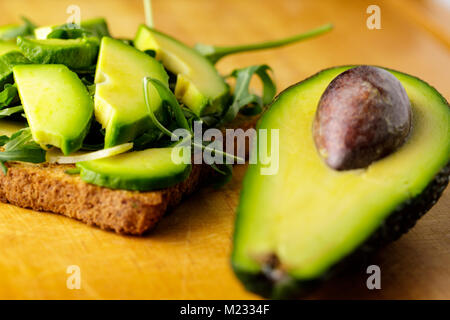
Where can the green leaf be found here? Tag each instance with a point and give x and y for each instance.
(243, 98)
(3, 168)
(3, 140)
(73, 171)
(21, 147)
(169, 101)
(68, 31)
(226, 174)
(25, 154)
(214, 53)
(151, 53)
(25, 29)
(148, 13)
(18, 139)
(168, 98)
(10, 111)
(9, 95)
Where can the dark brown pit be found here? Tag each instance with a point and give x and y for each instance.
(363, 115)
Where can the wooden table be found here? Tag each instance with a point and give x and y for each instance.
(187, 256)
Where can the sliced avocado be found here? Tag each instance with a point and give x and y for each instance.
(7, 62)
(139, 170)
(7, 46)
(74, 53)
(119, 97)
(300, 225)
(199, 86)
(97, 28)
(56, 103)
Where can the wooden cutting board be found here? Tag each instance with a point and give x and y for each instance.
(187, 256)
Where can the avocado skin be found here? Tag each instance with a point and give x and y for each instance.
(400, 221)
(73, 145)
(124, 133)
(143, 185)
(403, 218)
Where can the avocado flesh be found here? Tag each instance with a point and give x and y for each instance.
(139, 170)
(321, 216)
(56, 103)
(199, 86)
(97, 26)
(119, 97)
(74, 53)
(7, 46)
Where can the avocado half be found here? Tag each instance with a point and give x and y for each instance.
(300, 226)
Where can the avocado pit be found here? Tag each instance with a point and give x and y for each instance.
(363, 115)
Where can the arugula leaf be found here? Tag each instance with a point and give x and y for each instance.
(20, 147)
(214, 53)
(169, 100)
(18, 139)
(178, 113)
(151, 53)
(8, 95)
(72, 171)
(3, 140)
(226, 171)
(3, 168)
(26, 29)
(243, 98)
(10, 111)
(26, 154)
(68, 31)
(148, 13)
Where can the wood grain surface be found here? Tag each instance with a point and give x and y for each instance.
(187, 256)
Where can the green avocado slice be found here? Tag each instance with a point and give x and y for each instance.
(74, 53)
(145, 170)
(119, 97)
(7, 46)
(98, 27)
(199, 86)
(294, 228)
(56, 103)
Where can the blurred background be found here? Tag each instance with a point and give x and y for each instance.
(414, 35)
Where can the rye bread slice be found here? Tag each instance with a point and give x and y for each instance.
(46, 187)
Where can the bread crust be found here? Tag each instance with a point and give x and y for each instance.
(48, 188)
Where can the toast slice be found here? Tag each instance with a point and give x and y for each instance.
(46, 187)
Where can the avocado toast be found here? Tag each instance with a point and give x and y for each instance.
(90, 121)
